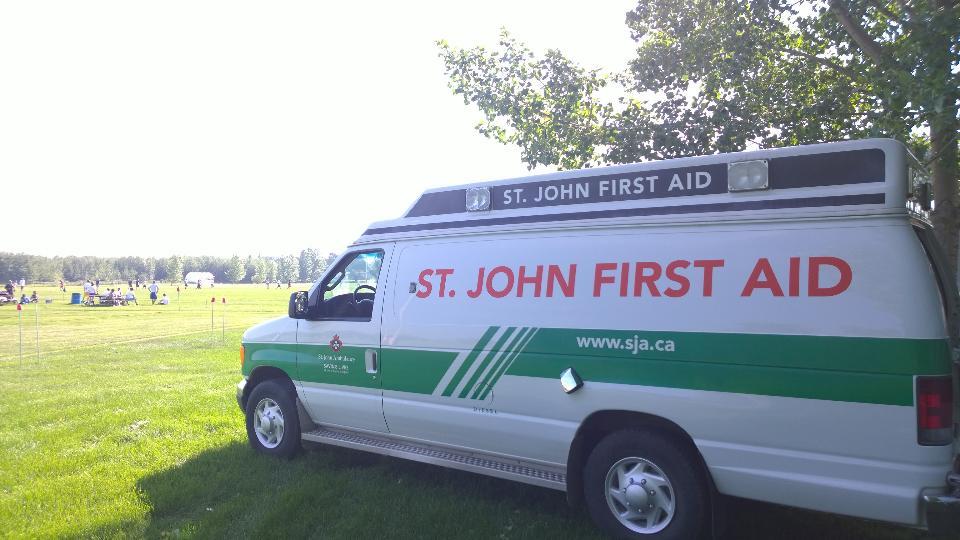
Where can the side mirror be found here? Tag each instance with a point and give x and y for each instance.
(298, 305)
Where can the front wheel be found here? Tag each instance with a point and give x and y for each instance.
(639, 483)
(273, 426)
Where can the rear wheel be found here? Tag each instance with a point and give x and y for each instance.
(639, 483)
(273, 426)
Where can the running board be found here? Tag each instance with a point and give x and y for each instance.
(445, 457)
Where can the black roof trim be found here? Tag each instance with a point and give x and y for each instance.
(767, 204)
(789, 172)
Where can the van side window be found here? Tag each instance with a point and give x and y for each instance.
(348, 292)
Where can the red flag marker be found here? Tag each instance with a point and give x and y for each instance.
(19, 306)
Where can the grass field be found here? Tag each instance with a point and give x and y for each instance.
(127, 426)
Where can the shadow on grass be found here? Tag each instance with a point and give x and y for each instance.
(335, 493)
(331, 492)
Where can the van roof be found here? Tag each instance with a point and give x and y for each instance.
(858, 177)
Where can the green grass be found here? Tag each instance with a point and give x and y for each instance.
(128, 427)
(64, 326)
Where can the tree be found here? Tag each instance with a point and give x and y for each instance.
(36, 268)
(236, 270)
(293, 268)
(309, 265)
(270, 269)
(328, 260)
(161, 269)
(259, 273)
(175, 269)
(288, 268)
(249, 269)
(149, 269)
(728, 74)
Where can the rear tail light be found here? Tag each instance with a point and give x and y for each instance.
(934, 410)
(241, 357)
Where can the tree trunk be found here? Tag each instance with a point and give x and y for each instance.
(944, 131)
(943, 145)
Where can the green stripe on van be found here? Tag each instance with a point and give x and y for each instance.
(278, 355)
(491, 354)
(761, 380)
(501, 369)
(853, 369)
(866, 370)
(412, 370)
(501, 360)
(893, 356)
(469, 360)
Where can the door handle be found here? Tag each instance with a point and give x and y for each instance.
(370, 359)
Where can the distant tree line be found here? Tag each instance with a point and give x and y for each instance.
(306, 267)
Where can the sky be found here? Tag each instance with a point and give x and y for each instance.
(235, 127)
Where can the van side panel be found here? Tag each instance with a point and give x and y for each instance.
(798, 452)
(782, 348)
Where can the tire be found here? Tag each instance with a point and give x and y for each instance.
(646, 460)
(273, 426)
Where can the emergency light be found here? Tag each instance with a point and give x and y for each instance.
(747, 175)
(478, 199)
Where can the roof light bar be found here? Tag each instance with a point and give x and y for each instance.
(478, 199)
(747, 175)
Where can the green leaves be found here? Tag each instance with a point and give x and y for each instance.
(236, 270)
(288, 268)
(724, 75)
(175, 269)
(720, 75)
(546, 105)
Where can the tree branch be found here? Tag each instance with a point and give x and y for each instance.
(886, 12)
(870, 47)
(908, 10)
(849, 73)
(944, 147)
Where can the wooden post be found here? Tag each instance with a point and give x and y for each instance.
(36, 318)
(20, 324)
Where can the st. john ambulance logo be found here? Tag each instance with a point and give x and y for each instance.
(335, 343)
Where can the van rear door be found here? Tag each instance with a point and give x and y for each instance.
(950, 301)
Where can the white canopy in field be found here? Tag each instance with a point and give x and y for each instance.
(198, 277)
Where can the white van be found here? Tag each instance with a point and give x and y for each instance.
(777, 325)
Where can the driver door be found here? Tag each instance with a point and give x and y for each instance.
(338, 345)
